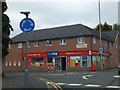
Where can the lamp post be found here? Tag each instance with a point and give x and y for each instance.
(100, 35)
(26, 62)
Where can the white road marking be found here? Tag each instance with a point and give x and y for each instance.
(85, 77)
(74, 84)
(91, 85)
(112, 86)
(61, 83)
(117, 76)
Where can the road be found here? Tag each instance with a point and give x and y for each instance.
(99, 79)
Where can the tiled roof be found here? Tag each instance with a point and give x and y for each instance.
(59, 32)
(111, 34)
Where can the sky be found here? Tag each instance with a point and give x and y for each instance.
(55, 13)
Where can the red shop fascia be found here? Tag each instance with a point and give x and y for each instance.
(66, 53)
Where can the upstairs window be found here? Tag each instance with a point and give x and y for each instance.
(105, 43)
(110, 44)
(28, 44)
(36, 44)
(81, 39)
(116, 45)
(19, 45)
(9, 45)
(62, 41)
(94, 40)
(49, 43)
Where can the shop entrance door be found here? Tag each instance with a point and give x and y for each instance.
(63, 59)
(57, 63)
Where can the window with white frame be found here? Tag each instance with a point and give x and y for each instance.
(19, 45)
(81, 39)
(62, 41)
(29, 44)
(94, 40)
(105, 43)
(110, 44)
(116, 45)
(36, 44)
(9, 45)
(49, 43)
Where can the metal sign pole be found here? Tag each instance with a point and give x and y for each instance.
(26, 25)
(26, 63)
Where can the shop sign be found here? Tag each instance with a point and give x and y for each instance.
(84, 45)
(52, 53)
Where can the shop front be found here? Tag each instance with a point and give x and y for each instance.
(65, 60)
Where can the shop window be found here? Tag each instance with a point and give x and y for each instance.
(81, 39)
(36, 44)
(74, 61)
(94, 40)
(62, 41)
(49, 43)
(49, 60)
(37, 61)
(19, 45)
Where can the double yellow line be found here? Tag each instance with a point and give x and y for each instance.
(56, 86)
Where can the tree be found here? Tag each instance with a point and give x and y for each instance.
(6, 28)
(104, 27)
(116, 27)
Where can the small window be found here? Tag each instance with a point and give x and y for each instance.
(36, 44)
(94, 40)
(81, 39)
(110, 44)
(49, 43)
(116, 45)
(62, 41)
(9, 45)
(105, 43)
(28, 44)
(19, 45)
(19, 63)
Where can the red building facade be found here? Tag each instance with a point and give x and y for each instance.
(60, 48)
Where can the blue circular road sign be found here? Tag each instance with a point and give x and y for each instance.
(27, 25)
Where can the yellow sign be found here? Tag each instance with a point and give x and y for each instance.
(82, 45)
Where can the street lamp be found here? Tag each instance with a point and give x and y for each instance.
(26, 63)
(100, 36)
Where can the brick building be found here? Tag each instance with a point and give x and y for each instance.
(73, 47)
